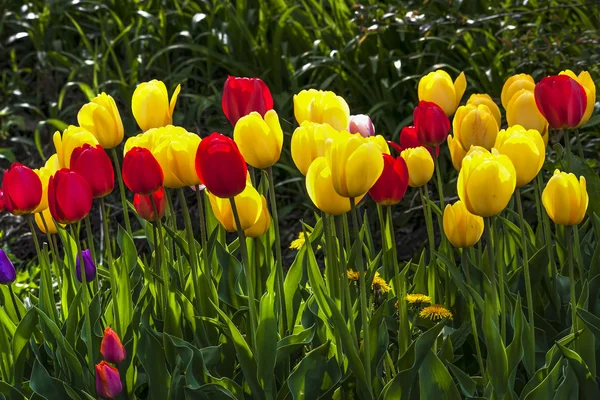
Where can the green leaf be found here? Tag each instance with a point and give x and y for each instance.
(46, 386)
(152, 357)
(292, 343)
(307, 378)
(591, 321)
(467, 384)
(497, 360)
(20, 343)
(435, 381)
(10, 392)
(266, 336)
(588, 388)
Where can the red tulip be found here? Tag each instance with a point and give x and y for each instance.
(111, 348)
(1, 201)
(142, 174)
(69, 196)
(393, 182)
(409, 140)
(143, 204)
(108, 381)
(561, 100)
(432, 124)
(241, 96)
(94, 165)
(22, 189)
(220, 166)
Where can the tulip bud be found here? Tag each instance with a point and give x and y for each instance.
(410, 140)
(475, 126)
(565, 198)
(393, 182)
(108, 381)
(101, 117)
(1, 201)
(522, 110)
(150, 105)
(526, 150)
(111, 348)
(22, 189)
(241, 96)
(262, 225)
(486, 100)
(49, 169)
(8, 274)
(420, 166)
(93, 164)
(259, 140)
(561, 100)
(248, 204)
(47, 222)
(514, 84)
(308, 143)
(88, 266)
(71, 138)
(462, 228)
(362, 125)
(322, 108)
(69, 197)
(142, 174)
(437, 87)
(143, 204)
(220, 166)
(432, 124)
(586, 81)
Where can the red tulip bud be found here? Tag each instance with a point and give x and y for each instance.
(69, 196)
(410, 140)
(241, 96)
(108, 381)
(93, 164)
(143, 204)
(432, 124)
(392, 183)
(142, 174)
(22, 189)
(111, 348)
(561, 100)
(1, 201)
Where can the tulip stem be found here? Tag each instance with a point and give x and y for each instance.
(568, 150)
(579, 146)
(333, 278)
(569, 234)
(432, 270)
(363, 292)
(14, 301)
(113, 277)
(119, 173)
(465, 263)
(491, 266)
(90, 238)
(54, 249)
(528, 290)
(500, 266)
(546, 228)
(46, 279)
(203, 235)
(339, 222)
(438, 175)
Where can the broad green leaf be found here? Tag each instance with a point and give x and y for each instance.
(292, 343)
(467, 384)
(10, 392)
(152, 357)
(588, 388)
(266, 337)
(497, 361)
(435, 381)
(20, 343)
(307, 378)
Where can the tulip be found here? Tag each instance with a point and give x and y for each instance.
(88, 266)
(241, 96)
(462, 228)
(150, 105)
(8, 274)
(48, 220)
(49, 169)
(514, 84)
(362, 125)
(410, 140)
(69, 197)
(380, 142)
(393, 182)
(475, 126)
(355, 163)
(561, 100)
(143, 204)
(486, 181)
(585, 80)
(457, 153)
(93, 164)
(220, 166)
(432, 124)
(111, 348)
(565, 198)
(486, 100)
(71, 138)
(420, 166)
(248, 204)
(308, 143)
(259, 140)
(526, 150)
(437, 87)
(101, 117)
(1, 201)
(323, 108)
(142, 174)
(261, 226)
(22, 189)
(522, 110)
(108, 381)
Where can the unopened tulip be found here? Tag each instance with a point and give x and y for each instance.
(475, 126)
(71, 138)
(22, 189)
(420, 166)
(142, 174)
(45, 172)
(111, 348)
(514, 84)
(486, 100)
(432, 124)
(565, 198)
(522, 110)
(241, 96)
(259, 140)
(437, 87)
(220, 166)
(101, 117)
(585, 80)
(561, 100)
(249, 206)
(69, 196)
(526, 150)
(323, 108)
(1, 200)
(108, 381)
(8, 274)
(143, 204)
(462, 228)
(486, 181)
(308, 143)
(393, 182)
(261, 226)
(150, 105)
(47, 222)
(94, 165)
(362, 125)
(410, 140)
(88, 266)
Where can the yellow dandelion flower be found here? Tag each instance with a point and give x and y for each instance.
(435, 312)
(380, 284)
(417, 298)
(298, 243)
(352, 275)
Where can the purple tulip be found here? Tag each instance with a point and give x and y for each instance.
(7, 269)
(108, 381)
(88, 265)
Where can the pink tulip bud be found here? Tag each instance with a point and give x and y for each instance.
(361, 124)
(111, 348)
(108, 381)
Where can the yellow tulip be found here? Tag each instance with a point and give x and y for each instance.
(308, 143)
(323, 108)
(474, 126)
(486, 181)
(248, 204)
(150, 104)
(437, 87)
(486, 100)
(462, 228)
(420, 165)
(101, 117)
(380, 142)
(259, 140)
(522, 110)
(262, 225)
(50, 223)
(45, 173)
(565, 198)
(526, 150)
(457, 153)
(355, 163)
(585, 80)
(72, 138)
(513, 85)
